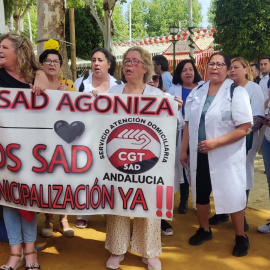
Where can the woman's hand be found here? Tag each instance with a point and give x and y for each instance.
(179, 101)
(207, 145)
(183, 158)
(63, 87)
(267, 123)
(36, 89)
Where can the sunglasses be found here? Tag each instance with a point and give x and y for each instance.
(155, 78)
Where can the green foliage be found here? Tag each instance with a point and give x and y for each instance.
(121, 31)
(9, 5)
(139, 10)
(33, 20)
(158, 16)
(211, 13)
(87, 32)
(243, 27)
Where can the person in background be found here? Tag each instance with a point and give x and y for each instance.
(216, 125)
(100, 80)
(255, 72)
(266, 158)
(162, 66)
(19, 69)
(185, 78)
(146, 236)
(265, 70)
(51, 61)
(156, 81)
(240, 73)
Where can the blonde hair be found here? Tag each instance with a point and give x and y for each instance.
(245, 64)
(27, 64)
(147, 61)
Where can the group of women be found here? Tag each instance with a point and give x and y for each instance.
(218, 116)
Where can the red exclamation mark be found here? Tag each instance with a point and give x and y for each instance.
(159, 200)
(169, 201)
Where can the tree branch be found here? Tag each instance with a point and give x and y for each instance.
(93, 10)
(28, 6)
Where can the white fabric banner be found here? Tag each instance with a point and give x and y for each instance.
(73, 153)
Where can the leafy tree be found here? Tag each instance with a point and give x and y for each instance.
(21, 7)
(139, 13)
(211, 13)
(163, 14)
(17, 8)
(9, 6)
(243, 27)
(87, 33)
(33, 21)
(105, 22)
(121, 31)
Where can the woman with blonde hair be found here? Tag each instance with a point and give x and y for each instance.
(146, 236)
(19, 69)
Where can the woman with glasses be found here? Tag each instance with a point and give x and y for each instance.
(185, 78)
(240, 73)
(51, 61)
(146, 236)
(19, 69)
(218, 116)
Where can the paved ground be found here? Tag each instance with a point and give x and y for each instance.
(86, 249)
(259, 196)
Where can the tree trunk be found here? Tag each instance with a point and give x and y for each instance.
(106, 24)
(51, 24)
(20, 10)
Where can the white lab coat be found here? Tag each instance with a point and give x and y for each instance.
(257, 99)
(176, 90)
(227, 163)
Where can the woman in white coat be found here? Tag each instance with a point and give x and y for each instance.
(215, 130)
(240, 73)
(185, 78)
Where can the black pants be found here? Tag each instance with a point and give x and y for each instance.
(184, 189)
(203, 180)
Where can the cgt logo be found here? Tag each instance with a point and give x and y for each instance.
(133, 148)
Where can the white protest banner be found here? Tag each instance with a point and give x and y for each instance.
(73, 153)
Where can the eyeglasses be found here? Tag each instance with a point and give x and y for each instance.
(217, 64)
(133, 61)
(155, 78)
(53, 62)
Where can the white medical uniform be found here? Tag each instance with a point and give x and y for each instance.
(227, 163)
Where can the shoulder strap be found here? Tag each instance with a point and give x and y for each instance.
(118, 81)
(81, 88)
(268, 83)
(233, 85)
(201, 85)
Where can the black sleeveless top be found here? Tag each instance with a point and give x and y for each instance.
(8, 81)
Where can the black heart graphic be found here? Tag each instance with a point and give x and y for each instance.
(69, 133)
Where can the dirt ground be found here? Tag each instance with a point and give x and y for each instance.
(86, 250)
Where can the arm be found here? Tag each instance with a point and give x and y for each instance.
(184, 145)
(238, 133)
(41, 82)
